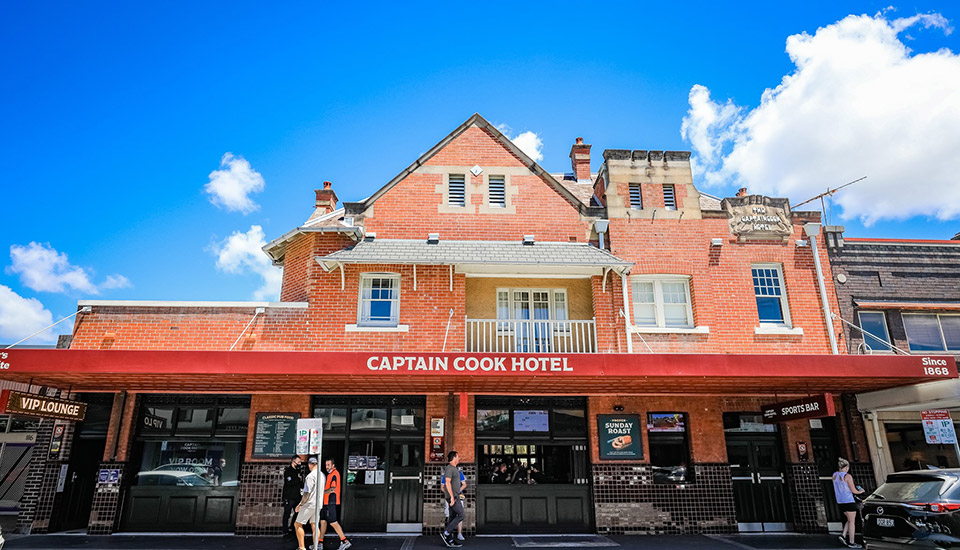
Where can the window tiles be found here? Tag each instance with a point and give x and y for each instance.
(456, 190)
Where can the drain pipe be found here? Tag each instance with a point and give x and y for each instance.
(812, 230)
(626, 312)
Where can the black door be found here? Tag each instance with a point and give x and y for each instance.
(405, 486)
(823, 440)
(756, 465)
(81, 482)
(365, 490)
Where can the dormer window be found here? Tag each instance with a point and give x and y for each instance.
(456, 190)
(498, 191)
(636, 198)
(669, 197)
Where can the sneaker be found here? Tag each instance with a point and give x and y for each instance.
(460, 536)
(843, 540)
(446, 539)
(854, 545)
(344, 544)
(455, 543)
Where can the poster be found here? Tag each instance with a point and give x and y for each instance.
(619, 437)
(938, 427)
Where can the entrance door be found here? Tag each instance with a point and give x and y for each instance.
(81, 482)
(405, 487)
(365, 491)
(759, 488)
(823, 440)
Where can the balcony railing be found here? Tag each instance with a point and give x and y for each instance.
(531, 336)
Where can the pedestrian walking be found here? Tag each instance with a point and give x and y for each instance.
(452, 488)
(446, 505)
(292, 482)
(328, 514)
(844, 489)
(308, 504)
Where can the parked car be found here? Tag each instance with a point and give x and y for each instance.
(918, 509)
(171, 477)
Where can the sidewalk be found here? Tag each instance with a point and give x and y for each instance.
(527, 542)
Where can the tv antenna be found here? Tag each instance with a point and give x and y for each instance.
(828, 193)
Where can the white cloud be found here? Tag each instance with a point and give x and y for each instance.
(43, 269)
(858, 103)
(231, 185)
(528, 142)
(20, 317)
(242, 253)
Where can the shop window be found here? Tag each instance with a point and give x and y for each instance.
(662, 301)
(407, 420)
(669, 446)
(456, 190)
(334, 419)
(232, 419)
(196, 463)
(363, 419)
(407, 455)
(493, 420)
(498, 192)
(909, 449)
(874, 326)
(569, 422)
(379, 300)
(530, 464)
(365, 462)
(932, 332)
(191, 420)
(157, 420)
(770, 294)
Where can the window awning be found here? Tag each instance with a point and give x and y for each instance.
(912, 305)
(481, 256)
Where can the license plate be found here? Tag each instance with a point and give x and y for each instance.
(885, 522)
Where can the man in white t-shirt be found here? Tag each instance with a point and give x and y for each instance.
(308, 505)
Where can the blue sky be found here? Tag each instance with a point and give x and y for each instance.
(114, 116)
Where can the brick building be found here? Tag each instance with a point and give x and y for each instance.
(900, 297)
(610, 338)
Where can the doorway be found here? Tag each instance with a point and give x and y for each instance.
(826, 451)
(90, 439)
(756, 461)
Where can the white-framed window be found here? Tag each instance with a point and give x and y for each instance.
(498, 191)
(932, 331)
(669, 197)
(456, 190)
(875, 333)
(379, 300)
(636, 197)
(547, 304)
(771, 294)
(662, 301)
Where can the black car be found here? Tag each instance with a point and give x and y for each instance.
(919, 509)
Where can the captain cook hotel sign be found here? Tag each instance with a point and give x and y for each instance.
(463, 363)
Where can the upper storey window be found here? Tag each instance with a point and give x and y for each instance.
(669, 197)
(498, 191)
(636, 198)
(771, 294)
(932, 332)
(874, 326)
(379, 300)
(662, 301)
(456, 190)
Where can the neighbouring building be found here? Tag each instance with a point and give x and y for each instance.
(901, 297)
(615, 340)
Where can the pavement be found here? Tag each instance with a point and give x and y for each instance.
(525, 542)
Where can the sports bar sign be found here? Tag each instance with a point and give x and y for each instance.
(814, 406)
(14, 402)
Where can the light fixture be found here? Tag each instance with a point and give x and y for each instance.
(618, 408)
(716, 242)
(433, 238)
(528, 239)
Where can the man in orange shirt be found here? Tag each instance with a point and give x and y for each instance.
(328, 514)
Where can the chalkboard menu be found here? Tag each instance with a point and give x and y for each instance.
(275, 435)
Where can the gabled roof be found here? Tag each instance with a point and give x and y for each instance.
(326, 223)
(475, 120)
(476, 253)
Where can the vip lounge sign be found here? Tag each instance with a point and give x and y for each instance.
(815, 406)
(14, 402)
(756, 217)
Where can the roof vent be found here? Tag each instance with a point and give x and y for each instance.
(528, 240)
(369, 236)
(433, 238)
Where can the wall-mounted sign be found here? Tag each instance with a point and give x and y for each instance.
(62, 478)
(803, 453)
(619, 437)
(309, 436)
(152, 422)
(15, 402)
(436, 440)
(756, 217)
(815, 406)
(110, 476)
(938, 427)
(56, 439)
(274, 435)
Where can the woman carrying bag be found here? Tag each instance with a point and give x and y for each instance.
(844, 489)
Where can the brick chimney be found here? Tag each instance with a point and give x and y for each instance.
(580, 160)
(742, 192)
(326, 198)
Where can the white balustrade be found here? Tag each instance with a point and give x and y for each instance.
(530, 336)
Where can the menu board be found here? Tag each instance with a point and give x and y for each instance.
(274, 435)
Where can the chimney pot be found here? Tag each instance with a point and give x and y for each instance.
(327, 184)
(326, 198)
(579, 141)
(742, 192)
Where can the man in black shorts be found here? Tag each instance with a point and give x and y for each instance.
(328, 514)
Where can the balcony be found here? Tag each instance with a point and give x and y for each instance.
(531, 336)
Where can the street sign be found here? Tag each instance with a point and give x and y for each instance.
(938, 427)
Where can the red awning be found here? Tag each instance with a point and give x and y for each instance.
(417, 373)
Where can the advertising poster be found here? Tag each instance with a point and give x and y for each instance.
(619, 437)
